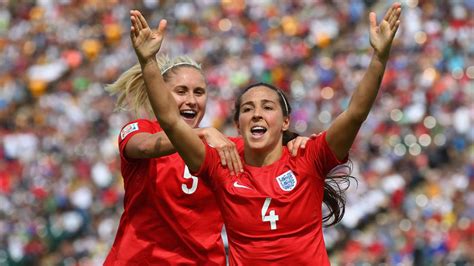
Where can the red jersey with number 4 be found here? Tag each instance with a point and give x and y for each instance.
(273, 214)
(170, 217)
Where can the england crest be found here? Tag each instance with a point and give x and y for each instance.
(287, 181)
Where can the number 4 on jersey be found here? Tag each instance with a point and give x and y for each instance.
(272, 218)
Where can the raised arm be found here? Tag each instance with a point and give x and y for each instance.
(146, 44)
(343, 130)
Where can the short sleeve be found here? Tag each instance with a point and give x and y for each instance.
(319, 153)
(208, 168)
(133, 128)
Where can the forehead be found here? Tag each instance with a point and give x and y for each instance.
(188, 76)
(260, 93)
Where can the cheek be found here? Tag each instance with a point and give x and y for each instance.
(202, 101)
(242, 122)
(178, 99)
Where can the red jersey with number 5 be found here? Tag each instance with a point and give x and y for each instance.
(170, 216)
(273, 214)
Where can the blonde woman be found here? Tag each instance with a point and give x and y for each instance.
(170, 216)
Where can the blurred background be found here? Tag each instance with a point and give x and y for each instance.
(61, 190)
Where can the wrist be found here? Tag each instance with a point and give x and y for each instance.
(381, 57)
(201, 132)
(379, 60)
(148, 62)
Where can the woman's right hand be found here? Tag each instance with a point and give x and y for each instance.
(227, 149)
(145, 41)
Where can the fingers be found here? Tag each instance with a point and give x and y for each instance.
(135, 20)
(132, 34)
(222, 156)
(296, 146)
(372, 21)
(298, 143)
(162, 27)
(389, 13)
(230, 157)
(237, 164)
(142, 20)
(134, 28)
(394, 18)
(229, 163)
(290, 145)
(397, 24)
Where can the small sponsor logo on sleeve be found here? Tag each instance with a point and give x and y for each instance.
(128, 129)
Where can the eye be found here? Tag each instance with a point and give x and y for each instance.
(268, 107)
(245, 109)
(199, 92)
(180, 91)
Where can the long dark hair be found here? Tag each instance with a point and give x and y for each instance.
(335, 183)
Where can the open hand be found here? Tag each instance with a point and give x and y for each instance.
(298, 143)
(227, 149)
(381, 36)
(145, 41)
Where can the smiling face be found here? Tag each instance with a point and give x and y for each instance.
(188, 88)
(261, 121)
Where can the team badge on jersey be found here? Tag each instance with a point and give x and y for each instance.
(128, 129)
(287, 181)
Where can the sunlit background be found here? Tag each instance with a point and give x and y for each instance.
(61, 190)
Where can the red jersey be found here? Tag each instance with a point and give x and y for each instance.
(273, 214)
(170, 217)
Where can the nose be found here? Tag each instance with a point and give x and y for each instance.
(256, 114)
(191, 99)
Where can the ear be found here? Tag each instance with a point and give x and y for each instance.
(286, 123)
(238, 127)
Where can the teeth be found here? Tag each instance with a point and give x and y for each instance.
(188, 112)
(258, 129)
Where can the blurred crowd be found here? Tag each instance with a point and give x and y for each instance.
(61, 190)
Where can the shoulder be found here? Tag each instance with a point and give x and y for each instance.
(139, 125)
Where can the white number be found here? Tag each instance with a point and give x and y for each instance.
(272, 218)
(188, 175)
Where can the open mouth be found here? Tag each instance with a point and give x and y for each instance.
(188, 114)
(258, 131)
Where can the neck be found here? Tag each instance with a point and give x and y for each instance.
(262, 157)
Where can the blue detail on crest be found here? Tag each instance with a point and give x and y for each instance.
(287, 181)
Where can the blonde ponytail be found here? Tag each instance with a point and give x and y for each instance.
(130, 86)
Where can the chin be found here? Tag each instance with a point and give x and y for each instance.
(256, 145)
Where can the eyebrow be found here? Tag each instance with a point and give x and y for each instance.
(264, 101)
(186, 87)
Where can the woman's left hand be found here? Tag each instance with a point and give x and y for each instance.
(298, 143)
(381, 36)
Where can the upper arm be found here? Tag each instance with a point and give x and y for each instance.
(342, 133)
(146, 145)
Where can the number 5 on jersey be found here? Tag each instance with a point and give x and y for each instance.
(194, 185)
(272, 218)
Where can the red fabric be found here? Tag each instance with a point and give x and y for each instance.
(161, 224)
(249, 200)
